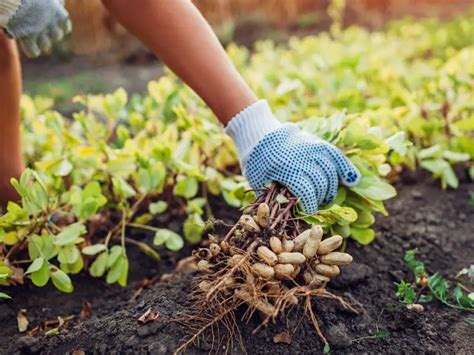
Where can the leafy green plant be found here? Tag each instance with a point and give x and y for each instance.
(391, 99)
(427, 287)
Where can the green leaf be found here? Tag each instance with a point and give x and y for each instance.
(440, 167)
(35, 265)
(344, 230)
(364, 220)
(69, 254)
(73, 268)
(398, 143)
(345, 213)
(99, 265)
(186, 187)
(193, 228)
(431, 152)
(174, 242)
(158, 207)
(148, 250)
(169, 238)
(70, 234)
(455, 157)
(196, 205)
(4, 296)
(122, 188)
(41, 246)
(117, 270)
(64, 168)
(122, 281)
(93, 249)
(114, 255)
(41, 276)
(363, 236)
(60, 279)
(372, 187)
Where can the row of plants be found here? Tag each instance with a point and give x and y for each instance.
(120, 162)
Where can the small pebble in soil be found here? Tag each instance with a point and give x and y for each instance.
(352, 275)
(149, 329)
(338, 336)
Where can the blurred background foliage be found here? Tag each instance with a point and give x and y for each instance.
(101, 56)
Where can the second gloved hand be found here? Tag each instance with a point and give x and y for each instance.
(308, 166)
(37, 24)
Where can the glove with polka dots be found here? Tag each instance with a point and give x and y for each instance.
(269, 151)
(36, 24)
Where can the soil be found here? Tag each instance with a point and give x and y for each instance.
(439, 223)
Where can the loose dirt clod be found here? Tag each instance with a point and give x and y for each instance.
(269, 261)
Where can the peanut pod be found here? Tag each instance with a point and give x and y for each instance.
(308, 277)
(275, 244)
(314, 279)
(284, 271)
(312, 243)
(327, 270)
(319, 280)
(248, 223)
(291, 258)
(224, 246)
(296, 272)
(263, 214)
(266, 255)
(202, 253)
(215, 249)
(300, 240)
(263, 270)
(336, 258)
(288, 245)
(204, 266)
(330, 244)
(235, 259)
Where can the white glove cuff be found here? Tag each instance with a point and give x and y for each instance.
(8, 8)
(249, 126)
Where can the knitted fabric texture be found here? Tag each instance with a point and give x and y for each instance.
(308, 166)
(8, 8)
(249, 126)
(39, 23)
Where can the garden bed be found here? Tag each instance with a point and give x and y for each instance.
(440, 224)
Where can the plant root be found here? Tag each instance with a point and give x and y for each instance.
(265, 264)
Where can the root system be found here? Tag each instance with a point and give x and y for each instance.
(269, 262)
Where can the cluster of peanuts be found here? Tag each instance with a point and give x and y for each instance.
(279, 257)
(307, 254)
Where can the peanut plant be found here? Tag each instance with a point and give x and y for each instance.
(392, 99)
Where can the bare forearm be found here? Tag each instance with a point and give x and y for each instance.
(11, 161)
(178, 34)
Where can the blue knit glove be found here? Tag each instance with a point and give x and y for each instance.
(37, 24)
(308, 166)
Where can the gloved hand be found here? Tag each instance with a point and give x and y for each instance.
(308, 166)
(37, 24)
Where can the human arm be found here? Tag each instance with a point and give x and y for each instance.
(178, 34)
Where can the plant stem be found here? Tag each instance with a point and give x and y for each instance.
(142, 226)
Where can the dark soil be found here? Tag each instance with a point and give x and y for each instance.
(440, 224)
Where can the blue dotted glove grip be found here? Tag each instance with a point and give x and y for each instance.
(308, 166)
